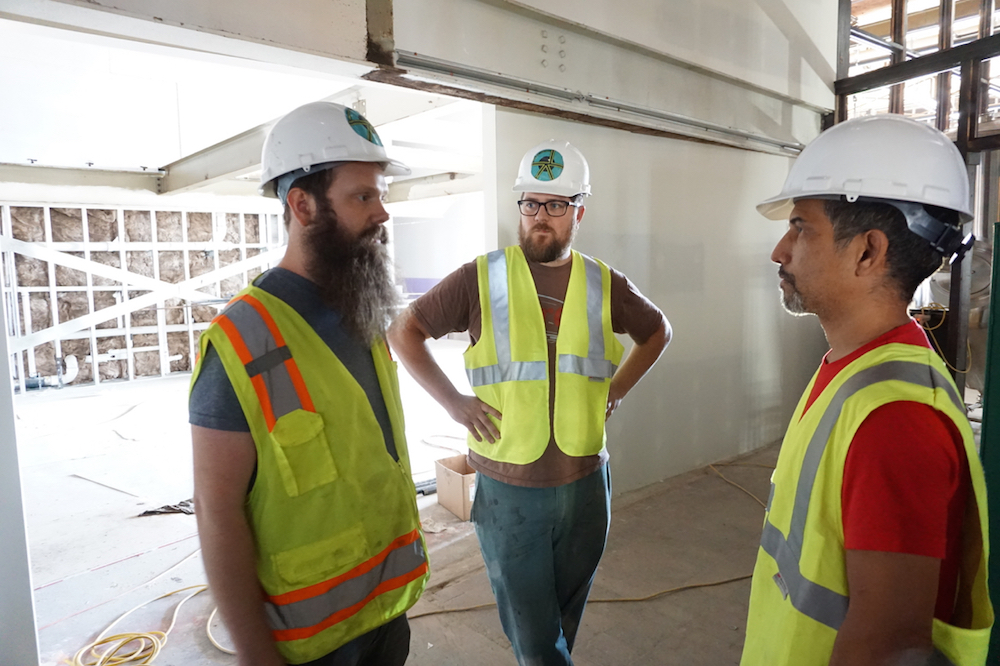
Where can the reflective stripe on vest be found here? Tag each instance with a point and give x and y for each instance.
(261, 347)
(306, 612)
(809, 598)
(506, 370)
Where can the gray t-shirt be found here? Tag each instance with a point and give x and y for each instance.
(213, 402)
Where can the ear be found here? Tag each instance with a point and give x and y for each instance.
(579, 213)
(872, 247)
(302, 205)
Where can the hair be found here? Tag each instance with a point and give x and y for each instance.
(909, 258)
(316, 184)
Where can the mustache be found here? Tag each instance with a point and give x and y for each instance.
(377, 234)
(786, 276)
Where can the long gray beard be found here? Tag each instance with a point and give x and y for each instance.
(355, 277)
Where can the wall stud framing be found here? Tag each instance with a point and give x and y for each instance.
(158, 291)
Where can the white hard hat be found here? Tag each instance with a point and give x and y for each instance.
(886, 158)
(316, 134)
(553, 167)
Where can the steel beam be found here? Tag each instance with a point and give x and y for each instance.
(129, 179)
(932, 63)
(945, 20)
(226, 160)
(899, 37)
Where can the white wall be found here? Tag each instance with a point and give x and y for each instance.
(433, 237)
(678, 219)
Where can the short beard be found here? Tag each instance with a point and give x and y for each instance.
(792, 300)
(354, 276)
(543, 253)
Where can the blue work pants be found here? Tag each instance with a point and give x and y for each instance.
(542, 547)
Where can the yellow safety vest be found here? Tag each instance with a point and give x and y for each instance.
(799, 595)
(334, 517)
(508, 365)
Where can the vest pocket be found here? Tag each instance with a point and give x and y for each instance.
(302, 453)
(323, 559)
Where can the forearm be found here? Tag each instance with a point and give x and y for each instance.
(861, 645)
(410, 344)
(229, 555)
(639, 360)
(890, 618)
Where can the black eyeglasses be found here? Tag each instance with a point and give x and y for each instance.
(555, 208)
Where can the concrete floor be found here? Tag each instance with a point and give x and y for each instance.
(91, 463)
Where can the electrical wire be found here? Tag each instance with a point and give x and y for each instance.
(733, 483)
(649, 597)
(208, 630)
(146, 646)
(937, 307)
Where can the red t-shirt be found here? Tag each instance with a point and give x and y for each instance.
(906, 479)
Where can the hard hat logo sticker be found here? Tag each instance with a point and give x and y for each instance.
(362, 127)
(547, 165)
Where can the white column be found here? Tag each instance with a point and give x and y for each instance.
(18, 635)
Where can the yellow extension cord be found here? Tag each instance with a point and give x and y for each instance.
(141, 648)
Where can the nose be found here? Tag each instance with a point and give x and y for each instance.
(779, 254)
(381, 215)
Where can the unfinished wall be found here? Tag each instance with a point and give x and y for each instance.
(166, 246)
(678, 219)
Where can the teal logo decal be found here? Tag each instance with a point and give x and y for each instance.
(547, 165)
(362, 127)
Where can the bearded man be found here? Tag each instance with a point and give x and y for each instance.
(544, 358)
(294, 407)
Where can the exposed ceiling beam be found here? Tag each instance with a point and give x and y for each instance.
(240, 155)
(438, 185)
(69, 176)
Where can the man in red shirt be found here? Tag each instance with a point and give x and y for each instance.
(873, 546)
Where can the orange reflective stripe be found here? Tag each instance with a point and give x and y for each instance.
(340, 616)
(266, 316)
(290, 365)
(325, 586)
(300, 385)
(245, 357)
(235, 338)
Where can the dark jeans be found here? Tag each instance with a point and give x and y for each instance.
(542, 547)
(388, 645)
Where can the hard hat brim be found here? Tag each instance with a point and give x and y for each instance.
(776, 208)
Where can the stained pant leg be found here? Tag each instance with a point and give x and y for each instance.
(515, 527)
(580, 537)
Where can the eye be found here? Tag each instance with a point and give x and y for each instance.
(556, 206)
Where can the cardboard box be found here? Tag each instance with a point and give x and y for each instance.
(456, 485)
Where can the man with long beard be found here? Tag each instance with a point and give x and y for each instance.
(543, 365)
(305, 504)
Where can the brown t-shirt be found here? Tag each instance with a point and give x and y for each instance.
(453, 305)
